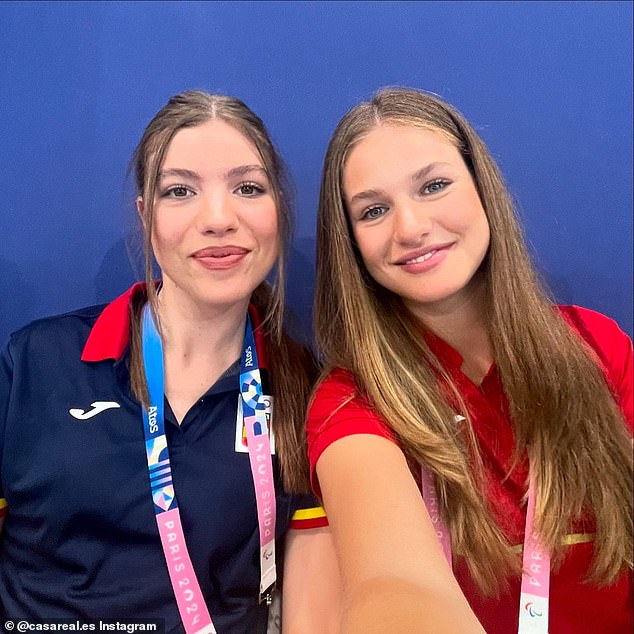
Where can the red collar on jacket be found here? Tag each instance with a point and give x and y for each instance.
(110, 334)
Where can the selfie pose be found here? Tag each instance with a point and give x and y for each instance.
(469, 436)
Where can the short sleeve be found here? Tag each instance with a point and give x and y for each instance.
(308, 513)
(614, 349)
(6, 378)
(336, 411)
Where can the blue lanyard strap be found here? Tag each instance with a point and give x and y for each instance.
(189, 597)
(154, 421)
(254, 402)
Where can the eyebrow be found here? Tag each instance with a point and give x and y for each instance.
(377, 193)
(242, 170)
(424, 171)
(234, 172)
(178, 172)
(368, 194)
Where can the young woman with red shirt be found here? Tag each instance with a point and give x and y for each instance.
(465, 423)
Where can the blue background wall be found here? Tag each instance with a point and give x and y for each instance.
(548, 85)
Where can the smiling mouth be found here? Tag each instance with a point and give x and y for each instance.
(421, 258)
(220, 252)
(221, 258)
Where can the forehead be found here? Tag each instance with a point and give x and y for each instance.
(214, 145)
(391, 149)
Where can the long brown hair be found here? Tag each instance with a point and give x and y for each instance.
(564, 415)
(291, 366)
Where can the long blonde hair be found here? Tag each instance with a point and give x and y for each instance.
(292, 367)
(564, 415)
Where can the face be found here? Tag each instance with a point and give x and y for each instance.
(215, 234)
(416, 215)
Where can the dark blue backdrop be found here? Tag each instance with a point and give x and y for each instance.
(548, 85)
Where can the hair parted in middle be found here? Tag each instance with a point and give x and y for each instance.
(291, 366)
(189, 109)
(564, 415)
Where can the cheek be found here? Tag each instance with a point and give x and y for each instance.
(469, 220)
(371, 248)
(265, 226)
(167, 235)
(374, 239)
(481, 230)
(162, 235)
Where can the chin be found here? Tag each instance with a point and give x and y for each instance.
(223, 297)
(432, 298)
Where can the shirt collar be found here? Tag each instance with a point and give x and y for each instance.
(443, 351)
(110, 334)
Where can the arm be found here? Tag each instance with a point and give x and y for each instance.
(312, 585)
(395, 577)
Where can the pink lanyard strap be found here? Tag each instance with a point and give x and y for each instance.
(256, 413)
(534, 596)
(430, 498)
(534, 593)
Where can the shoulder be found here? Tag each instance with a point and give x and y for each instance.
(56, 333)
(602, 327)
(613, 349)
(599, 331)
(336, 383)
(337, 397)
(338, 410)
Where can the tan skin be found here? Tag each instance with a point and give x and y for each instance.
(409, 190)
(227, 200)
(312, 583)
(395, 576)
(214, 192)
(422, 233)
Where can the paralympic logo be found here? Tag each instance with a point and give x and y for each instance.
(531, 610)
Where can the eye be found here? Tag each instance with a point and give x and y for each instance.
(249, 190)
(372, 213)
(177, 191)
(435, 186)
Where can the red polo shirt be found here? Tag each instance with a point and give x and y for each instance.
(575, 607)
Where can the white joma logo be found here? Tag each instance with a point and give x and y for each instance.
(97, 408)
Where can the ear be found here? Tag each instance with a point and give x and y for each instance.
(140, 208)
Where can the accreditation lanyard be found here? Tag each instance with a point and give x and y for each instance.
(189, 598)
(534, 593)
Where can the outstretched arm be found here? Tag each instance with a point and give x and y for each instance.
(312, 585)
(394, 574)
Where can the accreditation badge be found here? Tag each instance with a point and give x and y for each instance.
(241, 444)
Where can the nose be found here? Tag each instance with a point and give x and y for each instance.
(216, 214)
(410, 223)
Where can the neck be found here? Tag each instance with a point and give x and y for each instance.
(461, 322)
(193, 330)
(200, 341)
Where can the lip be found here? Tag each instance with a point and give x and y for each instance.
(220, 258)
(412, 255)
